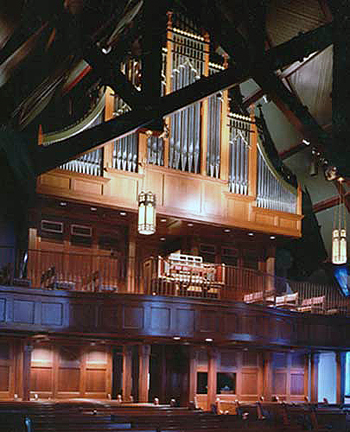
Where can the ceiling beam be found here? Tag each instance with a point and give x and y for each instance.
(47, 158)
(108, 69)
(325, 204)
(293, 150)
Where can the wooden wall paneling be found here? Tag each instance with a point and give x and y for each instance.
(144, 358)
(42, 370)
(267, 375)
(193, 354)
(250, 375)
(280, 375)
(6, 369)
(314, 360)
(18, 367)
(69, 368)
(340, 359)
(297, 377)
(83, 371)
(54, 371)
(131, 271)
(239, 383)
(307, 376)
(96, 369)
(127, 372)
(260, 374)
(212, 376)
(109, 371)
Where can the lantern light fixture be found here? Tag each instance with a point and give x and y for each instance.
(147, 213)
(339, 242)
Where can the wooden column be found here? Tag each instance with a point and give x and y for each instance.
(212, 371)
(204, 110)
(193, 374)
(253, 157)
(314, 359)
(270, 268)
(306, 377)
(109, 114)
(340, 359)
(27, 358)
(144, 356)
(267, 375)
(225, 135)
(127, 372)
(131, 260)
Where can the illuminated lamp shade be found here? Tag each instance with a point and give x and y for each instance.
(339, 247)
(147, 213)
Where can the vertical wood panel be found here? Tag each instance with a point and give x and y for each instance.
(127, 372)
(212, 372)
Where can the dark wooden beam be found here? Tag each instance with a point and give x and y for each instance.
(293, 150)
(325, 204)
(108, 69)
(341, 86)
(154, 22)
(46, 158)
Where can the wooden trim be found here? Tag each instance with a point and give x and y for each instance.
(212, 378)
(193, 374)
(340, 359)
(314, 359)
(267, 373)
(27, 353)
(109, 114)
(127, 372)
(144, 356)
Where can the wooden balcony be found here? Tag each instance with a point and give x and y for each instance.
(178, 275)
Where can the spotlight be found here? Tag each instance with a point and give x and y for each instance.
(330, 173)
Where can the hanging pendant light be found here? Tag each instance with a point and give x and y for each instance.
(339, 243)
(147, 213)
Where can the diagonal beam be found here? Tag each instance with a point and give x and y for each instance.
(46, 158)
(325, 204)
(293, 150)
(110, 73)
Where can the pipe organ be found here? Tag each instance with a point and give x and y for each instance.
(239, 154)
(272, 191)
(188, 58)
(214, 130)
(90, 163)
(203, 138)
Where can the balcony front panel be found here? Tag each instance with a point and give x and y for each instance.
(141, 317)
(182, 195)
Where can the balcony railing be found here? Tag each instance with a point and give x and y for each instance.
(111, 273)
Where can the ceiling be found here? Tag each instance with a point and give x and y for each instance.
(50, 52)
